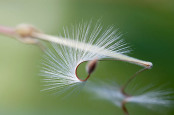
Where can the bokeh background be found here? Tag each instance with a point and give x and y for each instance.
(147, 25)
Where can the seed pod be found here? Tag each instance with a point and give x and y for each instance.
(91, 66)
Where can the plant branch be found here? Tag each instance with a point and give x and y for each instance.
(90, 48)
(123, 106)
(8, 31)
(29, 34)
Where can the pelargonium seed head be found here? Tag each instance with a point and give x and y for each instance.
(60, 62)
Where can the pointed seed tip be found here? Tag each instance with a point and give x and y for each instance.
(91, 66)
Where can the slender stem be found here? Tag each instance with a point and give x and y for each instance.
(7, 31)
(90, 48)
(29, 31)
(77, 75)
(129, 80)
(123, 106)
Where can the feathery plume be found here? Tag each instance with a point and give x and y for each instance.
(61, 61)
(151, 99)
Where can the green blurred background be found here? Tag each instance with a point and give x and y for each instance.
(147, 25)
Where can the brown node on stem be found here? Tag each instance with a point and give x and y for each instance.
(25, 30)
(24, 33)
(91, 66)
